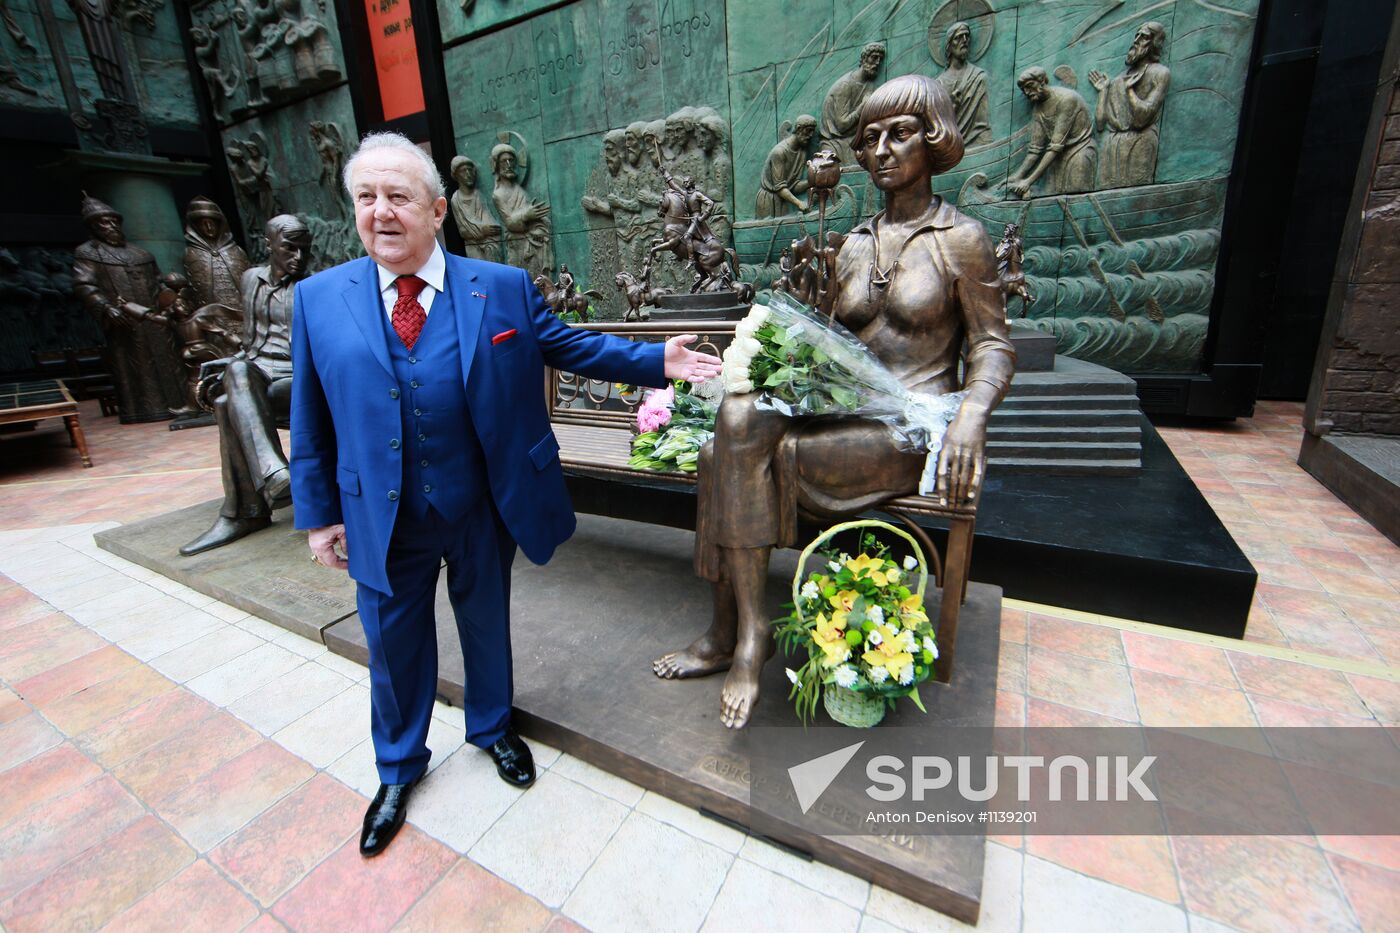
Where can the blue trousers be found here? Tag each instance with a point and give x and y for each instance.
(402, 633)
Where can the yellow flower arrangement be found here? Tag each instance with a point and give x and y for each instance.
(866, 633)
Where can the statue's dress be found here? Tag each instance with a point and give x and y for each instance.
(942, 291)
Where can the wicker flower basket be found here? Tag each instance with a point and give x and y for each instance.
(852, 709)
(844, 705)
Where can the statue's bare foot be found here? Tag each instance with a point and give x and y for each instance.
(739, 695)
(740, 691)
(702, 657)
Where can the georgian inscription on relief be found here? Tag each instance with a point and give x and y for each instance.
(640, 47)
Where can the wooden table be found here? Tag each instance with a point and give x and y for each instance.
(22, 402)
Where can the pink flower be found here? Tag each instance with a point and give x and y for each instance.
(652, 419)
(655, 410)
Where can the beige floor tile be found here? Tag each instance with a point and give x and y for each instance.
(550, 837)
(330, 730)
(1057, 899)
(672, 879)
(204, 654)
(690, 821)
(754, 895)
(832, 881)
(283, 701)
(619, 789)
(461, 799)
(1001, 901)
(239, 677)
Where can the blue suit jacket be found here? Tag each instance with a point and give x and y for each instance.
(344, 416)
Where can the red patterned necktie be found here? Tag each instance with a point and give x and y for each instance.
(408, 316)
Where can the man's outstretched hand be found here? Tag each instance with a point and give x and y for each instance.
(323, 543)
(683, 363)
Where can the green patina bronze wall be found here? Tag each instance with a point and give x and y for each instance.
(1121, 241)
(275, 73)
(151, 40)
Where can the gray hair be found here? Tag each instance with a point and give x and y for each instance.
(427, 170)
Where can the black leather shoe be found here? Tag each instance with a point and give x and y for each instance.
(514, 763)
(385, 817)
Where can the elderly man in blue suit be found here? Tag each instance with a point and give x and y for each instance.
(420, 435)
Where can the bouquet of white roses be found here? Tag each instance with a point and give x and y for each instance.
(802, 365)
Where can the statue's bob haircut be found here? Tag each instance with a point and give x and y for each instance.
(922, 97)
(423, 165)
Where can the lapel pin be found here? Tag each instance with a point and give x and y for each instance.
(478, 295)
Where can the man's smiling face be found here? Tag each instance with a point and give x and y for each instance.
(396, 215)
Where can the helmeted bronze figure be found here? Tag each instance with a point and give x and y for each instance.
(685, 231)
(250, 391)
(916, 283)
(208, 318)
(120, 285)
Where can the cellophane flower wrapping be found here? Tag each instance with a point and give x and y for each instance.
(672, 425)
(801, 365)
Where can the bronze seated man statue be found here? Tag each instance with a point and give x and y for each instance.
(915, 283)
(250, 392)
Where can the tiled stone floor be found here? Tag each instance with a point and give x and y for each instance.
(169, 762)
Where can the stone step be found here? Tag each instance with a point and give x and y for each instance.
(1121, 402)
(1065, 467)
(1066, 434)
(1027, 385)
(1051, 417)
(1059, 451)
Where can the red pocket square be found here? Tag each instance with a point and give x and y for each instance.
(503, 336)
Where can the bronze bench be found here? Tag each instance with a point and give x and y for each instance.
(593, 423)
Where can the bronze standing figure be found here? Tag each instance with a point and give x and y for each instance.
(120, 285)
(208, 318)
(917, 283)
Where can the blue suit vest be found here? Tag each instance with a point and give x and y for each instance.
(443, 463)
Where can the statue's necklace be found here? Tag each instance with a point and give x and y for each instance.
(880, 278)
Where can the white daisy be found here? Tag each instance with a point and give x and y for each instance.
(809, 589)
(846, 676)
(835, 566)
(879, 675)
(910, 563)
(930, 647)
(876, 615)
(875, 639)
(906, 674)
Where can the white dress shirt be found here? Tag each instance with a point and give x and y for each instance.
(434, 272)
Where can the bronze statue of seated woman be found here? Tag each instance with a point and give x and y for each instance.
(918, 284)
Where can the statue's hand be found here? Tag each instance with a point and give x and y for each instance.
(1098, 79)
(323, 542)
(961, 461)
(1019, 188)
